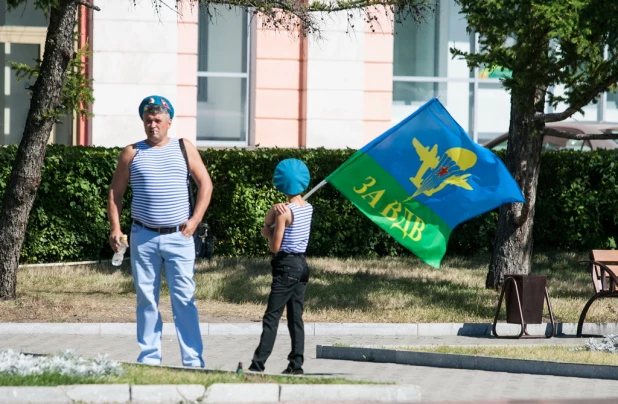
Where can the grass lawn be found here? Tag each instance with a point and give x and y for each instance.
(540, 353)
(139, 374)
(397, 290)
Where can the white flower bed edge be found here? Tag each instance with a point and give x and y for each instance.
(64, 363)
(608, 344)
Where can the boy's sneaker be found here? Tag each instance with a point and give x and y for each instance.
(290, 371)
(254, 368)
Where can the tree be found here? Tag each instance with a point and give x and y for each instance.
(546, 44)
(60, 88)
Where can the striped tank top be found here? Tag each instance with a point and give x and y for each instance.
(159, 183)
(296, 236)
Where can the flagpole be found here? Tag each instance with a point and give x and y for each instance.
(320, 185)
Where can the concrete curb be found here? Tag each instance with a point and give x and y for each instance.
(315, 329)
(216, 393)
(455, 361)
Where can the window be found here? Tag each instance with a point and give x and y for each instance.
(223, 76)
(22, 39)
(15, 101)
(418, 55)
(611, 107)
(25, 15)
(423, 67)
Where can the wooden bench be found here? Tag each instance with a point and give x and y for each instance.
(603, 267)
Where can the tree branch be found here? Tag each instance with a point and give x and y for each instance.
(305, 16)
(580, 136)
(342, 5)
(594, 91)
(86, 4)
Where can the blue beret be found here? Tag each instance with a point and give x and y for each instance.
(156, 100)
(291, 176)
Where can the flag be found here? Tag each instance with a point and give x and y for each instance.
(423, 177)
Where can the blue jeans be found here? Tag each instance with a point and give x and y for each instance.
(175, 253)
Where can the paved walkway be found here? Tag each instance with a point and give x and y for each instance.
(437, 384)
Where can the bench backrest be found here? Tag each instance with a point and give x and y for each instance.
(607, 257)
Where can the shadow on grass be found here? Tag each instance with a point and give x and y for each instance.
(566, 278)
(243, 280)
(371, 285)
(358, 291)
(247, 280)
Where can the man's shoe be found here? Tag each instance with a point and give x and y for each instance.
(290, 371)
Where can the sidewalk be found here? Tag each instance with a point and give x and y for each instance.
(223, 352)
(318, 329)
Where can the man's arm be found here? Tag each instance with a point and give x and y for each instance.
(204, 188)
(116, 193)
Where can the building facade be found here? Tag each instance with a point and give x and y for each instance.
(236, 82)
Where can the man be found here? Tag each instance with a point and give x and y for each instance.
(162, 230)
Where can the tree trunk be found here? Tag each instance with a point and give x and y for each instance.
(26, 173)
(512, 253)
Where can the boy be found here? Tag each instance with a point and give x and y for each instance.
(287, 227)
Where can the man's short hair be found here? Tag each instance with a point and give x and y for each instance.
(155, 109)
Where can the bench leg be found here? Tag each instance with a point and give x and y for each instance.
(521, 315)
(551, 316)
(582, 317)
(552, 330)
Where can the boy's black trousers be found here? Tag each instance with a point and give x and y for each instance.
(290, 276)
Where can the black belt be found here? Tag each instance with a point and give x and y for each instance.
(160, 230)
(282, 254)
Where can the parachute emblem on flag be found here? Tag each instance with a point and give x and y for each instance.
(436, 172)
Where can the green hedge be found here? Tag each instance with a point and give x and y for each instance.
(576, 205)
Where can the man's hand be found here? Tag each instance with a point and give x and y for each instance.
(114, 240)
(189, 227)
(280, 208)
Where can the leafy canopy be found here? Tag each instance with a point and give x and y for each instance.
(547, 43)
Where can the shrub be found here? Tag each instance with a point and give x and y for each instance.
(577, 193)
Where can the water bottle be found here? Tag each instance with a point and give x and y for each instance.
(118, 256)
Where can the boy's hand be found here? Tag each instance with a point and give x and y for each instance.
(281, 208)
(267, 232)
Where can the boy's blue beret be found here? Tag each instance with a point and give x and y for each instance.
(291, 176)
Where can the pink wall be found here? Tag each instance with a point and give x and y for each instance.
(185, 123)
(378, 77)
(279, 89)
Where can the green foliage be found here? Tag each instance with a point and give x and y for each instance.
(547, 43)
(69, 218)
(579, 195)
(576, 200)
